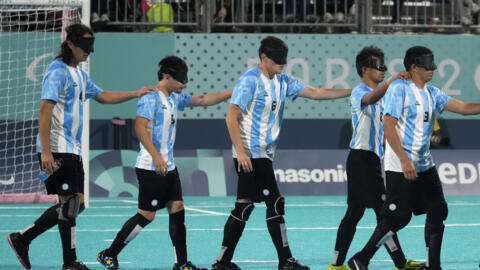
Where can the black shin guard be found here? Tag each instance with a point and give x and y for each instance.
(130, 229)
(67, 235)
(378, 238)
(395, 251)
(433, 241)
(47, 220)
(345, 233)
(393, 246)
(278, 232)
(231, 235)
(178, 234)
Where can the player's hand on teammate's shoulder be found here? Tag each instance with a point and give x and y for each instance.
(146, 89)
(404, 75)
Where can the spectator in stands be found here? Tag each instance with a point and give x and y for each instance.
(465, 11)
(99, 11)
(397, 10)
(222, 12)
(299, 10)
(438, 140)
(158, 11)
(336, 11)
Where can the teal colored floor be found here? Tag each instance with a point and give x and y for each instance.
(311, 221)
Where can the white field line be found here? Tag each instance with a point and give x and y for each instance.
(255, 261)
(229, 206)
(96, 263)
(206, 211)
(112, 215)
(257, 229)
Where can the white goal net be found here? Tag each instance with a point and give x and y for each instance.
(30, 38)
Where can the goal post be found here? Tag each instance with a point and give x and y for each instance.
(31, 32)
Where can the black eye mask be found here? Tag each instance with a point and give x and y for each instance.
(177, 75)
(425, 61)
(377, 64)
(278, 56)
(85, 43)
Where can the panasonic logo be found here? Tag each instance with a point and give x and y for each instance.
(311, 175)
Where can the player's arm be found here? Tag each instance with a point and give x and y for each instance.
(457, 106)
(44, 126)
(379, 92)
(391, 135)
(159, 163)
(113, 97)
(324, 93)
(233, 113)
(210, 99)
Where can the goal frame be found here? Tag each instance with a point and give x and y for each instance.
(85, 19)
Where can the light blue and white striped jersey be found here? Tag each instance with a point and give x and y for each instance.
(415, 110)
(161, 111)
(262, 101)
(366, 121)
(69, 88)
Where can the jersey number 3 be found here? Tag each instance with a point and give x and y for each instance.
(425, 117)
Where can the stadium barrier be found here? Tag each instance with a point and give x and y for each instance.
(298, 172)
(317, 16)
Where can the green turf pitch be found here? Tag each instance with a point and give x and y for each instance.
(311, 221)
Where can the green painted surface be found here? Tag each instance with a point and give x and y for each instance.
(128, 61)
(311, 222)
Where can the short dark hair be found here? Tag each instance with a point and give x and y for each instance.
(173, 63)
(413, 53)
(271, 43)
(74, 33)
(365, 54)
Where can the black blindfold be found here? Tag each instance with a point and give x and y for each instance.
(377, 63)
(278, 56)
(426, 61)
(85, 43)
(180, 76)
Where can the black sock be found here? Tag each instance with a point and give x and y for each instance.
(345, 233)
(278, 232)
(433, 241)
(67, 234)
(130, 229)
(178, 234)
(47, 220)
(231, 235)
(393, 248)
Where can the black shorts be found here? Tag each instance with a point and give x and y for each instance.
(69, 178)
(365, 181)
(258, 185)
(407, 196)
(154, 190)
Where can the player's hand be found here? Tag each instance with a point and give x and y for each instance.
(404, 75)
(145, 90)
(160, 165)
(409, 170)
(48, 163)
(244, 163)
